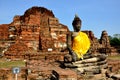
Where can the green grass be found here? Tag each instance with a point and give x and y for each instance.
(10, 64)
(117, 57)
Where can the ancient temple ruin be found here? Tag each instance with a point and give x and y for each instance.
(38, 29)
(38, 37)
(41, 31)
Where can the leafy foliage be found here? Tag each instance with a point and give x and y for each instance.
(115, 40)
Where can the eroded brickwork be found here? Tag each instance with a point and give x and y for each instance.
(40, 30)
(38, 37)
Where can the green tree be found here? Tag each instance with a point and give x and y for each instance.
(115, 40)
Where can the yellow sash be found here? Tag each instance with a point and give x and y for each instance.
(81, 44)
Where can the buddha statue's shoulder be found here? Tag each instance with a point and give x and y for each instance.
(74, 34)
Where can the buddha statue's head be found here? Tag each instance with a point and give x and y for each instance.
(76, 23)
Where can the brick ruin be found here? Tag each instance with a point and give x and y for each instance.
(39, 37)
(101, 45)
(40, 30)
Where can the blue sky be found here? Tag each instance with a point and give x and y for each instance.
(96, 15)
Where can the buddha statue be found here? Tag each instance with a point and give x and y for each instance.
(78, 42)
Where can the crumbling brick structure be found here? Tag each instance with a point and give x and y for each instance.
(38, 29)
(40, 38)
(41, 31)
